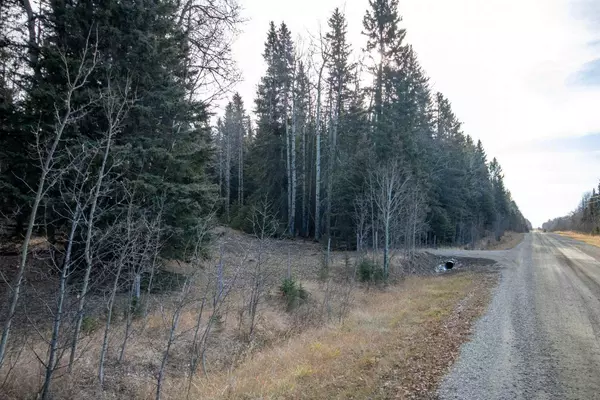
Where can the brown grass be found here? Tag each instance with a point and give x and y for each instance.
(506, 242)
(397, 343)
(583, 237)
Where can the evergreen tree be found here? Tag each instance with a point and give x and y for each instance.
(459, 199)
(267, 169)
(340, 77)
(165, 142)
(385, 37)
(231, 147)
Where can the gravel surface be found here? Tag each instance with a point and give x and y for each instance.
(540, 338)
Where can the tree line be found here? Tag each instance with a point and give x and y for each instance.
(585, 218)
(358, 150)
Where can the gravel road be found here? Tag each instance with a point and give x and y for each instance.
(540, 337)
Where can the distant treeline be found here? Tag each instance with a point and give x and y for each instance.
(585, 218)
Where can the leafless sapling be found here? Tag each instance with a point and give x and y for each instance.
(67, 113)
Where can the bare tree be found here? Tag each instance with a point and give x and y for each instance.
(183, 300)
(209, 28)
(264, 225)
(389, 184)
(324, 56)
(220, 154)
(416, 211)
(115, 109)
(305, 199)
(228, 138)
(66, 114)
(293, 154)
(126, 250)
(171, 338)
(147, 264)
(361, 215)
(220, 288)
(75, 198)
(156, 248)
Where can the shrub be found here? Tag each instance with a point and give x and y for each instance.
(89, 324)
(369, 271)
(218, 323)
(293, 293)
(241, 218)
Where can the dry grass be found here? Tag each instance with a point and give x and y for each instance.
(506, 242)
(583, 237)
(396, 343)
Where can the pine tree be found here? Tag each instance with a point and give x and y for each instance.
(501, 198)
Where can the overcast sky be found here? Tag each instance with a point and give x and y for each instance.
(522, 75)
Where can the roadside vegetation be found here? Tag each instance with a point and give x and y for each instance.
(395, 343)
(594, 240)
(507, 241)
(282, 329)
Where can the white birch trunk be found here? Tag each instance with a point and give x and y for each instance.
(293, 168)
(318, 159)
(227, 174)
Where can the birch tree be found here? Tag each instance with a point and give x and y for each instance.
(75, 196)
(127, 251)
(389, 187)
(324, 58)
(184, 297)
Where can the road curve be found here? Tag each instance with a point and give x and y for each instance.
(540, 337)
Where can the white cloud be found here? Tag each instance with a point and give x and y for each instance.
(506, 65)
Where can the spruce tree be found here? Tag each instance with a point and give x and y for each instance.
(339, 81)
(165, 143)
(384, 38)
